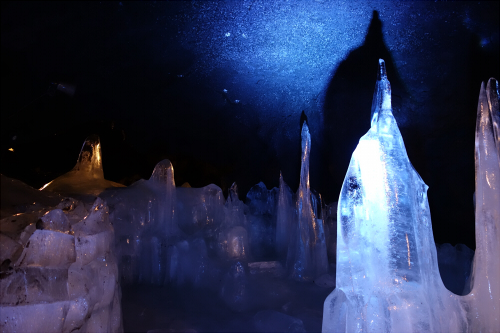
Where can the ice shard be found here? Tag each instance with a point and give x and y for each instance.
(87, 177)
(387, 273)
(484, 298)
(307, 256)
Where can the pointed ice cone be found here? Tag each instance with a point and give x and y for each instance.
(87, 177)
(484, 299)
(307, 257)
(387, 274)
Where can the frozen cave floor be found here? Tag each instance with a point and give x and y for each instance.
(271, 304)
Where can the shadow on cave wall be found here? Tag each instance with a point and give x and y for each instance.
(347, 104)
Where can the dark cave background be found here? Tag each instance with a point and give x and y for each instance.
(150, 80)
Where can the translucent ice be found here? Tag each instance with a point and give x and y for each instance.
(29, 285)
(55, 220)
(87, 177)
(237, 243)
(163, 184)
(307, 256)
(235, 209)
(286, 219)
(66, 278)
(144, 216)
(200, 208)
(387, 274)
(50, 249)
(484, 299)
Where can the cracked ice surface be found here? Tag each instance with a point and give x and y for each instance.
(387, 274)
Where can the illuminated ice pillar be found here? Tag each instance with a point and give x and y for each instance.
(387, 273)
(484, 299)
(307, 256)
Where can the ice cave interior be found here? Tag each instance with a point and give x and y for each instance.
(232, 176)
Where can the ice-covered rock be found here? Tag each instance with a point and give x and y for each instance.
(55, 220)
(17, 197)
(66, 277)
(87, 177)
(49, 249)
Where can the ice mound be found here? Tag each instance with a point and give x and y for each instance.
(387, 273)
(18, 198)
(87, 177)
(58, 271)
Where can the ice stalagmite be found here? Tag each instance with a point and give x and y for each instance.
(307, 255)
(233, 237)
(87, 177)
(484, 299)
(387, 273)
(162, 227)
(285, 219)
(162, 181)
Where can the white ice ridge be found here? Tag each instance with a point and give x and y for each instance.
(387, 273)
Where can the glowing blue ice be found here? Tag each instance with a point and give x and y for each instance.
(387, 274)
